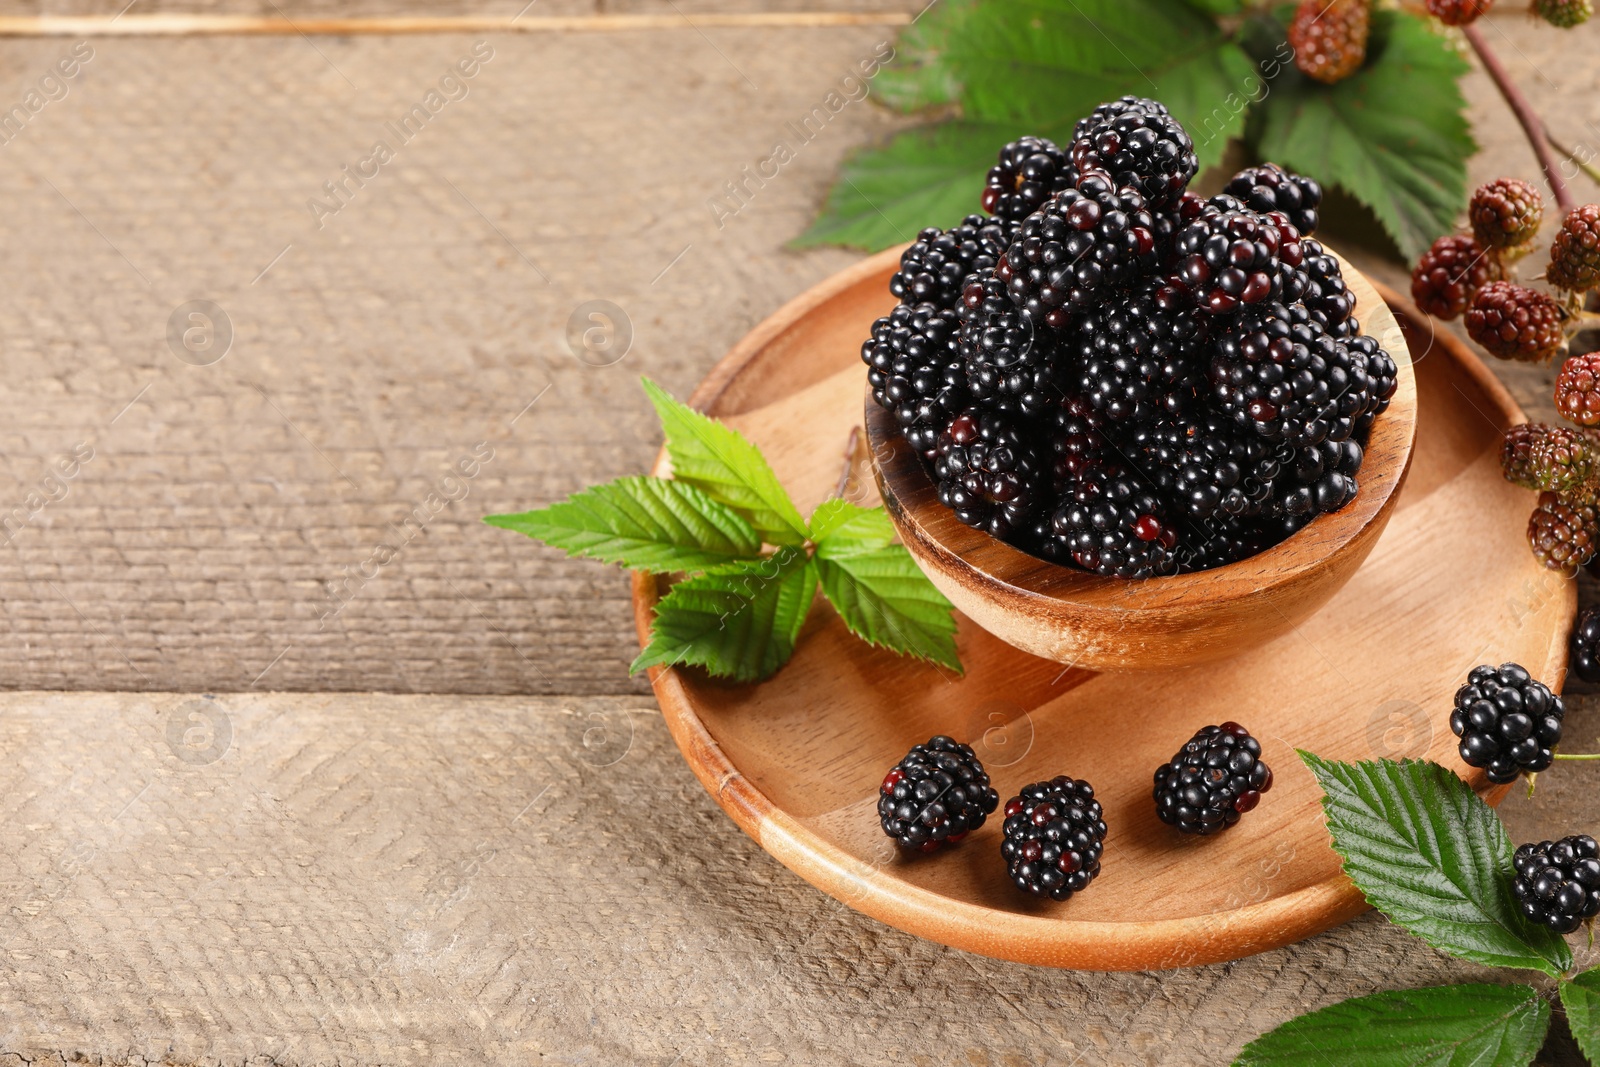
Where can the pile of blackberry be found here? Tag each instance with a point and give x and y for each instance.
(1108, 371)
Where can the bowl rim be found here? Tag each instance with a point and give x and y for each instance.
(931, 531)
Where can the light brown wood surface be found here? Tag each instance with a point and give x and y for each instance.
(1073, 617)
(796, 760)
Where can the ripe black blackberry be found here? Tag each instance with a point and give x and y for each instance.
(1078, 249)
(937, 794)
(988, 473)
(1030, 171)
(916, 371)
(1508, 723)
(1223, 539)
(1206, 465)
(935, 268)
(1585, 645)
(1271, 188)
(1115, 525)
(1009, 364)
(1054, 837)
(1213, 779)
(1141, 356)
(1136, 143)
(1231, 256)
(1326, 296)
(1320, 478)
(1558, 882)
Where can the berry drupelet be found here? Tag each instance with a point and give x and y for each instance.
(1054, 837)
(937, 794)
(1077, 249)
(1029, 172)
(1271, 188)
(1212, 780)
(1515, 322)
(988, 474)
(1506, 213)
(1330, 38)
(1508, 723)
(1136, 143)
(1575, 253)
(1563, 533)
(1556, 459)
(1449, 275)
(1584, 649)
(1558, 882)
(935, 268)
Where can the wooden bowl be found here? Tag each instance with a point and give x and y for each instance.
(1072, 616)
(796, 760)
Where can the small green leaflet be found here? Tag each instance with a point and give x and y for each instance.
(646, 524)
(1394, 135)
(1581, 999)
(738, 621)
(1446, 1026)
(1432, 856)
(876, 587)
(717, 458)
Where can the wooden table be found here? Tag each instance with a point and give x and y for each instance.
(424, 816)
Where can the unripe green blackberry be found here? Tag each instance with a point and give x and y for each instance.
(1563, 533)
(1564, 13)
(1551, 458)
(1506, 213)
(1515, 322)
(1575, 253)
(1578, 389)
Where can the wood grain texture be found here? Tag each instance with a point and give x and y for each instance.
(796, 760)
(1070, 616)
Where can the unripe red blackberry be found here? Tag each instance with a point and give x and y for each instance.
(1458, 12)
(1550, 458)
(1575, 253)
(1563, 533)
(1578, 389)
(1564, 13)
(1506, 213)
(1329, 37)
(1449, 275)
(1515, 322)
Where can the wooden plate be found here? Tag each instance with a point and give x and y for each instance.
(796, 761)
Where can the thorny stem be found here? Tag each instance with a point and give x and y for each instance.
(1588, 168)
(1531, 124)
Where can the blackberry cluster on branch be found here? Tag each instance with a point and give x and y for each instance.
(1115, 374)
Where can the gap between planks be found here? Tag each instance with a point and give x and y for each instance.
(185, 25)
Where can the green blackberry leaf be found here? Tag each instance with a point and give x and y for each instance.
(1394, 134)
(646, 524)
(1445, 1026)
(919, 77)
(1581, 999)
(887, 601)
(846, 528)
(1431, 855)
(739, 621)
(717, 458)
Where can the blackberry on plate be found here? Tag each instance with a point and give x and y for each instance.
(1271, 188)
(937, 794)
(916, 371)
(1231, 256)
(1030, 171)
(1116, 526)
(1009, 364)
(1558, 882)
(1054, 837)
(1584, 648)
(1140, 356)
(1136, 143)
(1508, 723)
(988, 474)
(1213, 779)
(1078, 249)
(935, 268)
